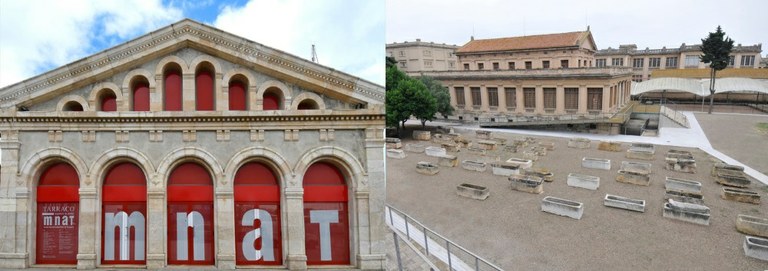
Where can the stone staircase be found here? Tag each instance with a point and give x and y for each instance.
(675, 116)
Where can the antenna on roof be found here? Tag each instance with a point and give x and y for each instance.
(314, 55)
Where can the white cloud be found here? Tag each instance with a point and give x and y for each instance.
(39, 35)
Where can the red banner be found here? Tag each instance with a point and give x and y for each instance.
(257, 237)
(326, 232)
(190, 233)
(57, 232)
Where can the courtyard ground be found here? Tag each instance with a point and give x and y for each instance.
(738, 136)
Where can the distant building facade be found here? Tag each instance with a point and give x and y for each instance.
(644, 62)
(417, 56)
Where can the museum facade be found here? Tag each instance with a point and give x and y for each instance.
(190, 146)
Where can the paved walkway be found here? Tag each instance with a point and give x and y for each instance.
(693, 137)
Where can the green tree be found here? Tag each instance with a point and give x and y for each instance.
(396, 109)
(716, 50)
(391, 61)
(442, 97)
(394, 77)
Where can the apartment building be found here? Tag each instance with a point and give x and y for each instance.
(417, 56)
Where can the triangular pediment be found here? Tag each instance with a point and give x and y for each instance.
(254, 56)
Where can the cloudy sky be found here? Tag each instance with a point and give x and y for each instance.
(647, 23)
(39, 35)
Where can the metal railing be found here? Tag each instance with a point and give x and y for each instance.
(454, 256)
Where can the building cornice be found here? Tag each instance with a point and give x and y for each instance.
(579, 73)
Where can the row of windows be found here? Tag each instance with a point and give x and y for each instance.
(545, 64)
(672, 62)
(571, 98)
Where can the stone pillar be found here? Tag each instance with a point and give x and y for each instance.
(539, 94)
(251, 96)
(221, 93)
(582, 99)
(156, 230)
(452, 94)
(502, 94)
(294, 220)
(188, 92)
(14, 207)
(370, 197)
(560, 100)
(87, 234)
(606, 103)
(156, 94)
(520, 107)
(468, 98)
(21, 257)
(225, 229)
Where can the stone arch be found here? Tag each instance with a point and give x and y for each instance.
(186, 154)
(126, 105)
(30, 170)
(73, 98)
(93, 98)
(250, 88)
(205, 58)
(308, 96)
(346, 161)
(172, 59)
(285, 91)
(271, 157)
(121, 154)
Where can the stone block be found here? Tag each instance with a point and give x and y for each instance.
(476, 151)
(679, 154)
(395, 153)
(562, 207)
(454, 136)
(512, 148)
(434, 151)
(464, 143)
(640, 168)
(486, 144)
(448, 161)
(609, 146)
(422, 135)
(732, 178)
(542, 173)
(688, 212)
(579, 143)
(641, 151)
(680, 164)
(596, 163)
(393, 143)
(473, 165)
(473, 191)
(756, 247)
(529, 184)
(583, 181)
(522, 163)
(499, 141)
(683, 185)
(684, 197)
(414, 147)
(539, 151)
(620, 202)
(451, 147)
(530, 155)
(752, 225)
(740, 195)
(721, 166)
(483, 134)
(550, 146)
(632, 177)
(427, 168)
(505, 169)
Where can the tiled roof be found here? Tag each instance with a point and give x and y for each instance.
(524, 42)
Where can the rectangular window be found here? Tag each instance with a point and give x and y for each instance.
(511, 65)
(475, 91)
(428, 63)
(571, 99)
(691, 61)
(549, 98)
(600, 62)
(545, 64)
(529, 98)
(564, 63)
(493, 97)
(528, 65)
(510, 94)
(594, 99)
(459, 92)
(637, 77)
(747, 61)
(451, 64)
(671, 63)
(480, 66)
(402, 53)
(495, 66)
(466, 66)
(654, 62)
(637, 62)
(427, 53)
(617, 62)
(403, 64)
(731, 61)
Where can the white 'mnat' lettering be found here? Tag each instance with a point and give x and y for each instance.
(265, 232)
(124, 222)
(194, 220)
(324, 218)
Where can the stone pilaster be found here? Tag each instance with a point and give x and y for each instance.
(502, 98)
(87, 234)
(539, 100)
(188, 92)
(225, 230)
(220, 92)
(560, 100)
(294, 220)
(370, 201)
(156, 94)
(484, 99)
(156, 229)
(519, 99)
(582, 99)
(13, 207)
(606, 99)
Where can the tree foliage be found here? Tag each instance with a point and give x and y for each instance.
(716, 50)
(394, 77)
(442, 97)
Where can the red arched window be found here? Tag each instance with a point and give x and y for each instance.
(140, 91)
(190, 216)
(204, 89)
(237, 95)
(326, 215)
(172, 94)
(257, 216)
(108, 101)
(58, 203)
(123, 218)
(272, 99)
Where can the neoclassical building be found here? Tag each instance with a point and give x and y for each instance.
(192, 146)
(418, 56)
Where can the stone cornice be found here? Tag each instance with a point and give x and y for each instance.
(179, 35)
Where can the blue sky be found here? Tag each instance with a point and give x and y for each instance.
(39, 35)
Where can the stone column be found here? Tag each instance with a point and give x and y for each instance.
(14, 206)
(468, 99)
(539, 100)
(188, 92)
(560, 100)
(221, 92)
(582, 99)
(606, 103)
(502, 94)
(87, 234)
(370, 197)
(484, 103)
(520, 107)
(452, 94)
(294, 220)
(156, 229)
(225, 229)
(156, 94)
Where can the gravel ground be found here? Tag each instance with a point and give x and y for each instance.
(738, 138)
(510, 230)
